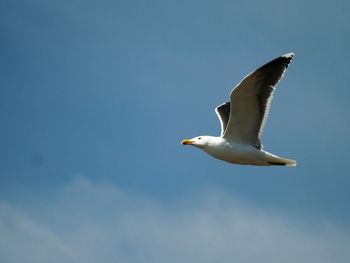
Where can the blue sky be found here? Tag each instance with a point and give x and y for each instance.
(100, 93)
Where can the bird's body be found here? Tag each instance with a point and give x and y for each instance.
(243, 119)
(239, 153)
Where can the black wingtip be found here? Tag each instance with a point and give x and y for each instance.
(284, 60)
(289, 57)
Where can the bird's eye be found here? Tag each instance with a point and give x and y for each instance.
(199, 138)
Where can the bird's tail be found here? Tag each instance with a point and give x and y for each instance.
(276, 160)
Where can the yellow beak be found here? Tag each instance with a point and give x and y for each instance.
(186, 142)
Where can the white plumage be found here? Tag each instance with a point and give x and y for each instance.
(243, 119)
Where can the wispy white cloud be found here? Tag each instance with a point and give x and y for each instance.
(88, 222)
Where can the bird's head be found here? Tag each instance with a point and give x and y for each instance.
(200, 141)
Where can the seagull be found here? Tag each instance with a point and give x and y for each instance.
(244, 117)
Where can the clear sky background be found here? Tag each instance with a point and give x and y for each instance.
(95, 97)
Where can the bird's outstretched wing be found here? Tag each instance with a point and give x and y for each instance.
(223, 112)
(251, 99)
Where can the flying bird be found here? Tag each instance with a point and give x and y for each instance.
(244, 117)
